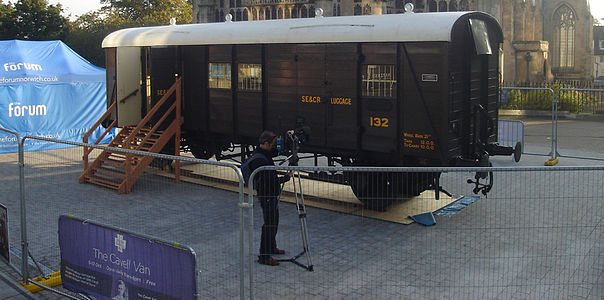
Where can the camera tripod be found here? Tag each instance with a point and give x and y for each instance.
(301, 208)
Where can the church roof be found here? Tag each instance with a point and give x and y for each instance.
(408, 27)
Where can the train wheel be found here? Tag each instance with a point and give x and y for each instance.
(201, 153)
(376, 190)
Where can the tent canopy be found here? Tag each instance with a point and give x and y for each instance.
(48, 62)
(46, 89)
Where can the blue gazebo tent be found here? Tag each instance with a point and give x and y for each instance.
(48, 90)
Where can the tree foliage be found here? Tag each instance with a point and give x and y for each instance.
(129, 13)
(37, 20)
(89, 30)
(32, 20)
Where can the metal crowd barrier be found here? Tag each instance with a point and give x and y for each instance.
(176, 212)
(534, 234)
(504, 92)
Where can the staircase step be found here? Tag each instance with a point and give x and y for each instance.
(113, 173)
(102, 182)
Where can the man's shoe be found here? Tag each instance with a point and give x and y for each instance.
(269, 261)
(278, 251)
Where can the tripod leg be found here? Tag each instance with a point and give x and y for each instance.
(302, 214)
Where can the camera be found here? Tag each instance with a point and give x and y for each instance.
(289, 143)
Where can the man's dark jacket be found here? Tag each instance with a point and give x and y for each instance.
(267, 183)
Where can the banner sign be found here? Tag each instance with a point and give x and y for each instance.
(62, 112)
(107, 263)
(4, 233)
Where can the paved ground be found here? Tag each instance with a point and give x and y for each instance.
(531, 238)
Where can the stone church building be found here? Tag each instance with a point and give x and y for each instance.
(544, 39)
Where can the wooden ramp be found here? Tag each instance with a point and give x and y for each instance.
(331, 196)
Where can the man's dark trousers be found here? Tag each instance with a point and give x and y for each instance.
(270, 210)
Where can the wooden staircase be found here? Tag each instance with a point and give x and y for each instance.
(120, 170)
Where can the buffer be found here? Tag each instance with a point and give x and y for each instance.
(118, 170)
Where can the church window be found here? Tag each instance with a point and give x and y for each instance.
(601, 44)
(367, 10)
(565, 37)
(358, 10)
(463, 5)
(232, 3)
(280, 13)
(399, 4)
(311, 12)
(432, 5)
(453, 5)
(442, 5)
(295, 12)
(304, 12)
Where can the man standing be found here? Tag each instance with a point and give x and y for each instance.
(268, 187)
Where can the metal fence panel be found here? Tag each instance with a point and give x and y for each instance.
(536, 101)
(581, 112)
(510, 132)
(200, 212)
(536, 235)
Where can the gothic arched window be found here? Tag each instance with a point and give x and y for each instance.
(311, 12)
(442, 5)
(367, 10)
(273, 13)
(239, 15)
(254, 14)
(463, 5)
(564, 45)
(358, 10)
(294, 12)
(453, 5)
(304, 12)
(280, 13)
(432, 5)
(245, 15)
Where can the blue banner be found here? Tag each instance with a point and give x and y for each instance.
(61, 111)
(108, 263)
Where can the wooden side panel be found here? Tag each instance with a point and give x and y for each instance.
(249, 103)
(195, 84)
(163, 65)
(425, 100)
(221, 100)
(311, 99)
(341, 75)
(381, 135)
(281, 76)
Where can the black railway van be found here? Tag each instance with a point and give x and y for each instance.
(381, 90)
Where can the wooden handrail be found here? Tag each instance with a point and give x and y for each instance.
(88, 133)
(152, 112)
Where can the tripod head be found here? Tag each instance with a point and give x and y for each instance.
(293, 158)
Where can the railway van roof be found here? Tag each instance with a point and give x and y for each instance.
(408, 27)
